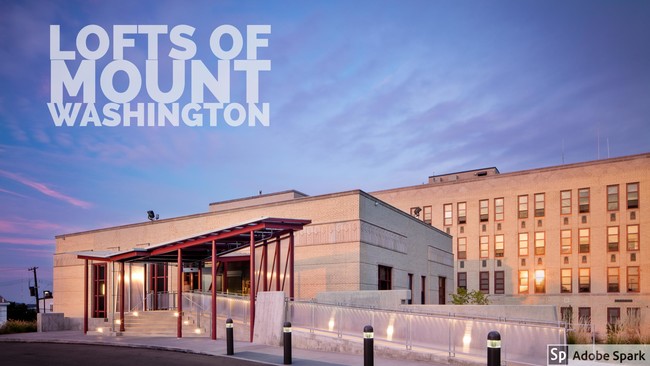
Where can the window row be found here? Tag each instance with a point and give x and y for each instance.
(539, 238)
(484, 281)
(584, 280)
(538, 204)
(613, 316)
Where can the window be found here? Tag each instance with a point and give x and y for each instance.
(613, 316)
(540, 281)
(523, 244)
(583, 240)
(462, 212)
(584, 280)
(498, 209)
(612, 239)
(498, 246)
(99, 290)
(584, 318)
(499, 282)
(448, 216)
(632, 195)
(567, 284)
(612, 279)
(410, 301)
(523, 282)
(565, 242)
(632, 279)
(567, 315)
(427, 214)
(484, 282)
(158, 283)
(583, 200)
(484, 246)
(522, 202)
(539, 205)
(462, 248)
(540, 243)
(612, 198)
(385, 278)
(633, 237)
(462, 280)
(484, 214)
(565, 197)
(634, 318)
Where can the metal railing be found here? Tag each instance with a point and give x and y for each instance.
(522, 341)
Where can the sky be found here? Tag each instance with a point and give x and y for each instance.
(362, 95)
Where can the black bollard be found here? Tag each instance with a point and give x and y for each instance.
(286, 332)
(230, 349)
(494, 348)
(368, 346)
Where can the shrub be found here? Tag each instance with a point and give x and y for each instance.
(18, 326)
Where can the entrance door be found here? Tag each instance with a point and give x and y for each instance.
(158, 286)
(442, 290)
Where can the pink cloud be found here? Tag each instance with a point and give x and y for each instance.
(12, 193)
(46, 190)
(25, 241)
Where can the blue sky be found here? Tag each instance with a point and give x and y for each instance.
(364, 94)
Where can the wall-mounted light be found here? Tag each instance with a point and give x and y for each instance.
(152, 216)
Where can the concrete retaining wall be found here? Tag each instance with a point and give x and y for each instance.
(392, 299)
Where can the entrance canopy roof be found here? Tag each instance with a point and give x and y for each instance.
(198, 247)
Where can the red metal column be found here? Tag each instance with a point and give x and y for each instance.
(224, 281)
(200, 277)
(85, 296)
(122, 281)
(265, 267)
(214, 290)
(291, 271)
(144, 286)
(179, 323)
(252, 287)
(278, 263)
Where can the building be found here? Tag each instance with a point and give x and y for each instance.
(3, 310)
(574, 236)
(350, 241)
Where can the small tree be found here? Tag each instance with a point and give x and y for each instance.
(462, 297)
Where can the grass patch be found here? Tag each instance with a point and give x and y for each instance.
(18, 326)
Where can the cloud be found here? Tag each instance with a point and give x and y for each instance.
(12, 193)
(25, 241)
(46, 190)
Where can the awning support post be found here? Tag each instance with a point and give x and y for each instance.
(85, 296)
(214, 291)
(179, 323)
(252, 286)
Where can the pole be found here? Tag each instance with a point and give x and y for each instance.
(213, 294)
(85, 296)
(286, 331)
(494, 349)
(368, 346)
(38, 305)
(230, 349)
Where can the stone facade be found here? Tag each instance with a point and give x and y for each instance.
(572, 200)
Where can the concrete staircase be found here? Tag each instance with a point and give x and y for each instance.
(160, 324)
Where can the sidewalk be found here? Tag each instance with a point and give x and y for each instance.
(243, 350)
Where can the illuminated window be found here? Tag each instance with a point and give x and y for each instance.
(523, 244)
(484, 282)
(632, 195)
(484, 214)
(633, 237)
(385, 278)
(583, 200)
(484, 246)
(632, 279)
(462, 212)
(498, 209)
(462, 280)
(427, 214)
(566, 280)
(447, 214)
(540, 243)
(523, 282)
(498, 245)
(539, 204)
(584, 280)
(612, 279)
(99, 275)
(565, 242)
(462, 248)
(612, 198)
(612, 239)
(583, 241)
(566, 202)
(499, 282)
(540, 281)
(522, 202)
